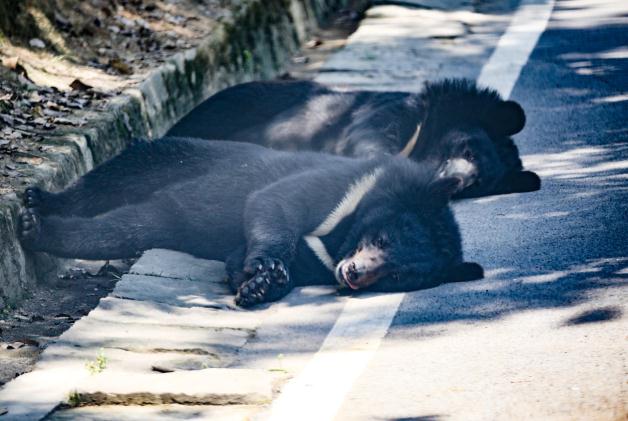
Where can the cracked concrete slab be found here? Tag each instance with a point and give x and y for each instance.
(119, 310)
(177, 292)
(177, 265)
(90, 333)
(134, 362)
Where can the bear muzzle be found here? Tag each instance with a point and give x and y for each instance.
(362, 268)
(462, 168)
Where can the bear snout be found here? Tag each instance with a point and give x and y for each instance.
(462, 168)
(362, 268)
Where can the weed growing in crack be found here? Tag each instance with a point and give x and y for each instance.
(99, 364)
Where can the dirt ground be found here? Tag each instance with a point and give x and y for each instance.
(49, 311)
(118, 37)
(60, 59)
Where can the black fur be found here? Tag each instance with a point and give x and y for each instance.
(458, 120)
(251, 206)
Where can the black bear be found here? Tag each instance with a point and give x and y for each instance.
(465, 130)
(278, 219)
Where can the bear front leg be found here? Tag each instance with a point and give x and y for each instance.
(270, 281)
(275, 218)
(273, 223)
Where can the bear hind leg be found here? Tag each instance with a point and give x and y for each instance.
(81, 199)
(121, 233)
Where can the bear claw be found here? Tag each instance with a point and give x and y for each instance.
(267, 273)
(32, 197)
(253, 291)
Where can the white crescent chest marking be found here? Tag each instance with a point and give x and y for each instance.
(318, 248)
(347, 205)
(407, 150)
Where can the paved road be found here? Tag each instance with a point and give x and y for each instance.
(545, 335)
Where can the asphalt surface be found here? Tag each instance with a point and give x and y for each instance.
(545, 334)
(548, 325)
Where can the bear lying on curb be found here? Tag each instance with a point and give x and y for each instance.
(464, 130)
(278, 219)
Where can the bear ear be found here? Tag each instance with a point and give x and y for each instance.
(442, 189)
(507, 119)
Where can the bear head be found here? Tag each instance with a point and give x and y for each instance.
(404, 236)
(467, 131)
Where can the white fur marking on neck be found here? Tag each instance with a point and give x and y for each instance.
(345, 207)
(407, 150)
(349, 203)
(319, 249)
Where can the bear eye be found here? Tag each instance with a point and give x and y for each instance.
(468, 155)
(395, 276)
(380, 242)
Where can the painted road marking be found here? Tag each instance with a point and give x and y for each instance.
(318, 391)
(502, 69)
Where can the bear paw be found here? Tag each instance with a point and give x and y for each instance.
(33, 197)
(253, 291)
(527, 181)
(268, 274)
(29, 226)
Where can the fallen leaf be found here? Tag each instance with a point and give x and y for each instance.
(35, 97)
(8, 120)
(13, 63)
(51, 105)
(78, 85)
(63, 120)
(120, 66)
(28, 341)
(50, 113)
(62, 22)
(15, 135)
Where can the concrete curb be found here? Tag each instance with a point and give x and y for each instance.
(255, 43)
(138, 350)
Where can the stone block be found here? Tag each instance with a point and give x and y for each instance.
(178, 292)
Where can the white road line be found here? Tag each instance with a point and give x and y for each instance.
(318, 391)
(502, 69)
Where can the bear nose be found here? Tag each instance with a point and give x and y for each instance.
(352, 272)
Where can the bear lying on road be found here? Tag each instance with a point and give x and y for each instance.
(279, 219)
(463, 129)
